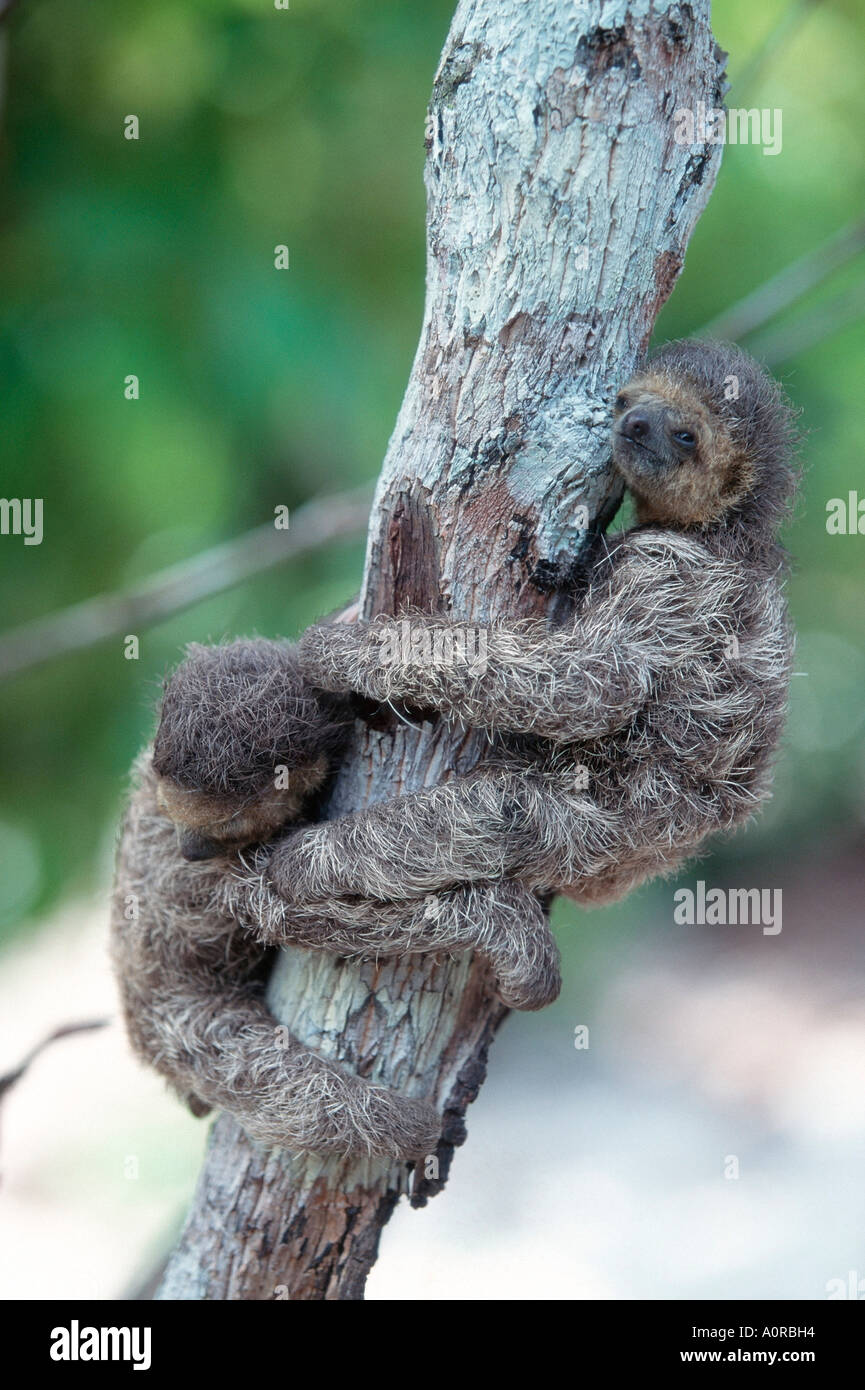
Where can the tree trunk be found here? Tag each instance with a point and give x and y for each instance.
(559, 208)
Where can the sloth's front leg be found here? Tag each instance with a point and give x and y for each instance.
(503, 921)
(544, 829)
(569, 685)
(471, 828)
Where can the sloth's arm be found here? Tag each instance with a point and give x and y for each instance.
(565, 685)
(503, 921)
(487, 826)
(569, 685)
(465, 830)
(221, 1048)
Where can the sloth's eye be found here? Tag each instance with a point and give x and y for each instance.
(685, 439)
(621, 402)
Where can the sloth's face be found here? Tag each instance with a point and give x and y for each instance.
(210, 826)
(675, 453)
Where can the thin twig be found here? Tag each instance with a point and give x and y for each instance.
(780, 343)
(786, 288)
(66, 1030)
(179, 586)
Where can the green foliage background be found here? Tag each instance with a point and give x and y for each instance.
(259, 387)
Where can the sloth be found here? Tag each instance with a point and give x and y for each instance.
(619, 742)
(616, 744)
(244, 746)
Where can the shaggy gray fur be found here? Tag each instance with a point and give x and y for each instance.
(190, 977)
(231, 715)
(667, 692)
(190, 940)
(670, 686)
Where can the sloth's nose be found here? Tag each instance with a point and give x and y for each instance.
(636, 426)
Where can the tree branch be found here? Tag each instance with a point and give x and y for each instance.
(171, 590)
(784, 290)
(782, 342)
(559, 208)
(65, 1030)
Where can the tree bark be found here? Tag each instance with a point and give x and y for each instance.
(559, 208)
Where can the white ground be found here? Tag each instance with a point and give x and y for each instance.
(588, 1174)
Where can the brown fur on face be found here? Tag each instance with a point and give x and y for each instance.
(209, 825)
(702, 436)
(675, 453)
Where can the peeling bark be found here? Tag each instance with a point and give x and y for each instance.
(559, 209)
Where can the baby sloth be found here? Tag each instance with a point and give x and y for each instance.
(244, 745)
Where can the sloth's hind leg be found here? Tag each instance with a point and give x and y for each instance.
(231, 1054)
